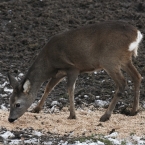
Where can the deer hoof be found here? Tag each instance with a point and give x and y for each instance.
(132, 113)
(104, 118)
(72, 117)
(36, 110)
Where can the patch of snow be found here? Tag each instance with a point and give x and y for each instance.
(4, 95)
(101, 103)
(97, 97)
(20, 75)
(3, 107)
(48, 143)
(141, 142)
(8, 90)
(7, 134)
(136, 138)
(63, 143)
(86, 96)
(54, 103)
(31, 141)
(37, 133)
(130, 87)
(53, 109)
(15, 142)
(95, 72)
(112, 138)
(88, 142)
(115, 141)
(32, 106)
(100, 143)
(112, 135)
(71, 134)
(3, 85)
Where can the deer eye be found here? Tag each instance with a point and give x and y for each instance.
(17, 105)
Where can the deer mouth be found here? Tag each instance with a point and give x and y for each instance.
(11, 120)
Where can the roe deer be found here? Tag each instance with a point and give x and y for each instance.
(105, 45)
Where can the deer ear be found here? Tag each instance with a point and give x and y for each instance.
(26, 86)
(13, 81)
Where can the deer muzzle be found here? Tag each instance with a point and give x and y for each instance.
(11, 120)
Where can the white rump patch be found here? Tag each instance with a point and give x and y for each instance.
(134, 45)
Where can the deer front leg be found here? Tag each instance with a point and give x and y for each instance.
(72, 75)
(51, 84)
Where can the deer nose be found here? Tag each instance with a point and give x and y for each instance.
(11, 120)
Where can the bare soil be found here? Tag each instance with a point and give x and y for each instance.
(87, 123)
(26, 26)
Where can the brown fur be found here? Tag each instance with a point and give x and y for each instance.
(101, 46)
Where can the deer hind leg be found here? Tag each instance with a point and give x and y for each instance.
(120, 82)
(72, 76)
(136, 77)
(51, 84)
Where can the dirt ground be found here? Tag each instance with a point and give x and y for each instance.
(86, 124)
(26, 26)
